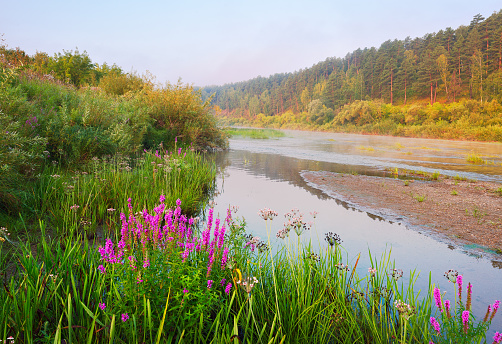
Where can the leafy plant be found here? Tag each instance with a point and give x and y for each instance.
(473, 158)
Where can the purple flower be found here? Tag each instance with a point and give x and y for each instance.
(209, 284)
(102, 269)
(496, 305)
(146, 263)
(162, 198)
(223, 281)
(465, 316)
(224, 259)
(185, 290)
(459, 282)
(435, 325)
(184, 255)
(125, 317)
(178, 202)
(102, 306)
(222, 237)
(497, 338)
(447, 305)
(227, 288)
(465, 320)
(437, 297)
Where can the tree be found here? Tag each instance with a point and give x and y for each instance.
(442, 65)
(408, 69)
(74, 67)
(477, 66)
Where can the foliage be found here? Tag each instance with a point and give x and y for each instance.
(163, 279)
(85, 199)
(48, 121)
(119, 84)
(21, 149)
(74, 67)
(178, 109)
(466, 119)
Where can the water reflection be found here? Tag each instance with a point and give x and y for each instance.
(266, 173)
(361, 152)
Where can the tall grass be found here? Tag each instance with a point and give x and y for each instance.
(95, 193)
(163, 280)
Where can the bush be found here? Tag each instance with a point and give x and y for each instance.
(21, 148)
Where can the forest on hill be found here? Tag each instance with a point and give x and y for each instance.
(446, 84)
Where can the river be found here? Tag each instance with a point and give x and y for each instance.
(266, 173)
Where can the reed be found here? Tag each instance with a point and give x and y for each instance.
(91, 198)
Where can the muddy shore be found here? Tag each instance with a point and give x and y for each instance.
(456, 211)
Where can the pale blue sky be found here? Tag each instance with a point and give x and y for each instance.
(217, 42)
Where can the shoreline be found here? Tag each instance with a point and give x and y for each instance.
(454, 211)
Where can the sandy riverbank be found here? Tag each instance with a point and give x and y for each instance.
(457, 211)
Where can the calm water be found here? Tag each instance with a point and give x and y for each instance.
(266, 173)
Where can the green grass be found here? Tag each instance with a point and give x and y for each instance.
(420, 198)
(300, 295)
(255, 133)
(97, 193)
(458, 177)
(473, 158)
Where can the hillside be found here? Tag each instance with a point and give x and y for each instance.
(452, 78)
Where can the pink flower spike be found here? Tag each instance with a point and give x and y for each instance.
(465, 320)
(437, 297)
(125, 317)
(435, 325)
(447, 305)
(496, 305)
(459, 282)
(497, 338)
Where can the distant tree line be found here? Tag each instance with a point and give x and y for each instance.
(447, 66)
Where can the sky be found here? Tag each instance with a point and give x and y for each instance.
(217, 42)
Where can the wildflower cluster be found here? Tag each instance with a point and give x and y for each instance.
(451, 275)
(247, 283)
(458, 324)
(314, 258)
(294, 221)
(4, 234)
(396, 274)
(267, 214)
(405, 310)
(332, 239)
(141, 262)
(255, 242)
(342, 267)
